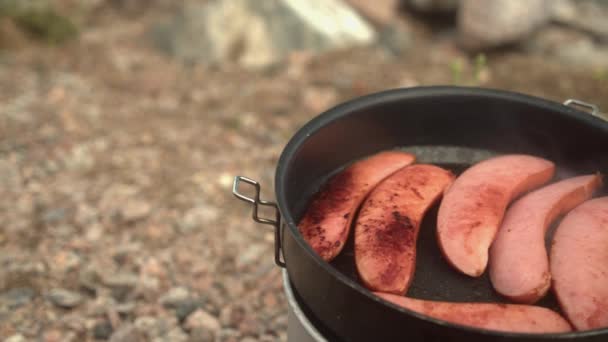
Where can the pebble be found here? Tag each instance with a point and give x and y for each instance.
(155, 327)
(195, 218)
(227, 335)
(145, 323)
(134, 210)
(102, 330)
(176, 335)
(89, 278)
(202, 335)
(232, 316)
(53, 335)
(126, 333)
(251, 254)
(15, 298)
(174, 297)
(201, 319)
(16, 338)
(184, 309)
(120, 283)
(64, 298)
(65, 261)
(10, 177)
(249, 327)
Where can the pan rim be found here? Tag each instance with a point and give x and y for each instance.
(402, 94)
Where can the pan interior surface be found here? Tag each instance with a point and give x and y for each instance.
(446, 126)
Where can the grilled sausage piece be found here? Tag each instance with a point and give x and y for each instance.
(519, 264)
(490, 316)
(328, 217)
(388, 223)
(472, 208)
(579, 264)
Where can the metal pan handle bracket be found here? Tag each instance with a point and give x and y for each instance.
(257, 201)
(588, 107)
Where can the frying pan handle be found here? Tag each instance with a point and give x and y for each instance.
(591, 108)
(257, 201)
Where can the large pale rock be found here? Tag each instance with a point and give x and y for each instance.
(569, 46)
(590, 16)
(257, 33)
(379, 12)
(485, 24)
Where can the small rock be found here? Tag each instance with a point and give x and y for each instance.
(267, 338)
(174, 297)
(53, 215)
(65, 261)
(184, 309)
(251, 254)
(202, 319)
(85, 215)
(176, 334)
(80, 157)
(89, 278)
(318, 99)
(484, 24)
(16, 338)
(121, 284)
(135, 210)
(102, 330)
(232, 316)
(195, 218)
(568, 46)
(10, 177)
(249, 327)
(94, 232)
(64, 298)
(52, 335)
(145, 323)
(16, 297)
(256, 35)
(201, 335)
(155, 327)
(228, 335)
(127, 333)
(587, 16)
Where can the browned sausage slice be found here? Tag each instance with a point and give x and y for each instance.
(387, 226)
(519, 264)
(327, 220)
(490, 316)
(579, 264)
(473, 207)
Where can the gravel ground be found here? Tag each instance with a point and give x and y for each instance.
(116, 163)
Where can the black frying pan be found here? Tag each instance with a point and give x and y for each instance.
(449, 126)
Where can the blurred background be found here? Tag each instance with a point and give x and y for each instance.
(123, 122)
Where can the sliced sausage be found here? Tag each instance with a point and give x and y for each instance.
(579, 264)
(490, 316)
(473, 207)
(519, 264)
(327, 220)
(387, 226)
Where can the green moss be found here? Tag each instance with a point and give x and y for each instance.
(40, 21)
(480, 65)
(601, 74)
(456, 68)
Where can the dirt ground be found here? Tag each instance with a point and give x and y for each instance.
(116, 165)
